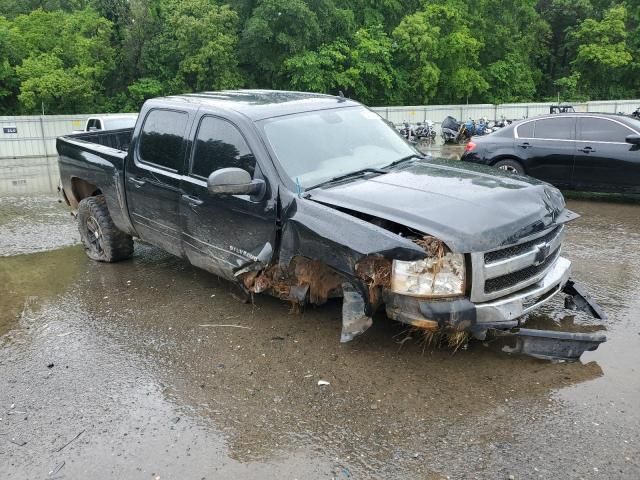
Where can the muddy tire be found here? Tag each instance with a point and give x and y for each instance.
(102, 241)
(509, 165)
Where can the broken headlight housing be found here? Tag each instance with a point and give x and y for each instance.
(442, 276)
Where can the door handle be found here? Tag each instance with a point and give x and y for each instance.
(192, 201)
(525, 145)
(587, 149)
(137, 182)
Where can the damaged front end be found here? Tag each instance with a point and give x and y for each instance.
(514, 281)
(324, 253)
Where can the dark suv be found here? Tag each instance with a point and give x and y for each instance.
(581, 151)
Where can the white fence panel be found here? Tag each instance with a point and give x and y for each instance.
(28, 158)
(35, 136)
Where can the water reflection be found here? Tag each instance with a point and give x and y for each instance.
(27, 280)
(259, 383)
(32, 175)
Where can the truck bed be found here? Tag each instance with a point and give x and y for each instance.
(95, 161)
(117, 139)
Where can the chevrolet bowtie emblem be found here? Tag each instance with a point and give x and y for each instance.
(542, 252)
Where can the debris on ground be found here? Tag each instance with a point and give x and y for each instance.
(57, 468)
(228, 325)
(70, 441)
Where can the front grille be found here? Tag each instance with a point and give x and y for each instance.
(516, 250)
(506, 281)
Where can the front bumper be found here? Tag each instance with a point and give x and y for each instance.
(462, 314)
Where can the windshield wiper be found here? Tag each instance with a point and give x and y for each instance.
(404, 159)
(355, 173)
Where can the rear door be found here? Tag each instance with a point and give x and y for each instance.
(604, 161)
(223, 233)
(548, 148)
(153, 178)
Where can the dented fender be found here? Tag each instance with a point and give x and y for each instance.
(337, 239)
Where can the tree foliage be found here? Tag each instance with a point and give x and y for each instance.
(88, 55)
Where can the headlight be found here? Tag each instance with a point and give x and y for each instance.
(430, 277)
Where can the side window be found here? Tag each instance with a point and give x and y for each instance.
(162, 139)
(560, 128)
(601, 130)
(220, 145)
(91, 124)
(526, 130)
(98, 125)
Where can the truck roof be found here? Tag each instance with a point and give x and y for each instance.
(260, 104)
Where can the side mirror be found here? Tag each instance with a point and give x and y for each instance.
(633, 139)
(233, 181)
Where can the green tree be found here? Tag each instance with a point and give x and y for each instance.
(12, 51)
(515, 39)
(205, 39)
(65, 72)
(277, 30)
(562, 16)
(142, 90)
(362, 69)
(511, 79)
(602, 56)
(13, 8)
(195, 47)
(440, 56)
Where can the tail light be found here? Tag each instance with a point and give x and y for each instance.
(470, 146)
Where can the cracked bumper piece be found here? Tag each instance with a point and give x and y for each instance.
(462, 314)
(549, 345)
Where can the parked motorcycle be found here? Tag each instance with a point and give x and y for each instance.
(407, 131)
(452, 130)
(482, 127)
(503, 122)
(425, 131)
(470, 127)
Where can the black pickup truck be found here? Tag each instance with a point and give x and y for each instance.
(309, 197)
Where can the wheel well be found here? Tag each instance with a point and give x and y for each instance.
(81, 189)
(506, 157)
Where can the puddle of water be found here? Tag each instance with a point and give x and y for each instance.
(27, 280)
(35, 223)
(20, 176)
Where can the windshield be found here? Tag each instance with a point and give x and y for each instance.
(117, 123)
(314, 147)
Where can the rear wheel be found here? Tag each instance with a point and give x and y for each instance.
(102, 240)
(509, 165)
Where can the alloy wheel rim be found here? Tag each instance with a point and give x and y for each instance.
(508, 168)
(94, 236)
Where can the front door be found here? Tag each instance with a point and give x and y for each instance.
(550, 150)
(604, 161)
(224, 233)
(153, 179)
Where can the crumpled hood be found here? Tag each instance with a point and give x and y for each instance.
(469, 207)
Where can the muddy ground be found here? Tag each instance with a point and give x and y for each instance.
(113, 371)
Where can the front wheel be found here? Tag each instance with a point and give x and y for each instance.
(511, 166)
(102, 240)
